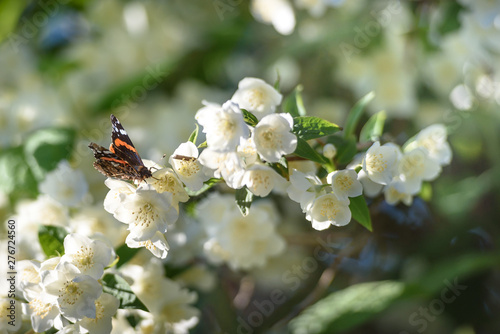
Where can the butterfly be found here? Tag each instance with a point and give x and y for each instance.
(121, 160)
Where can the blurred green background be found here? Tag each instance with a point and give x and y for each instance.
(66, 65)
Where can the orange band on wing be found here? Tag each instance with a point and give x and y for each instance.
(119, 142)
(111, 148)
(112, 159)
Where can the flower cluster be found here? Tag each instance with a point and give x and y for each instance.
(243, 242)
(245, 139)
(236, 151)
(387, 168)
(65, 291)
(323, 207)
(173, 313)
(400, 173)
(254, 146)
(146, 211)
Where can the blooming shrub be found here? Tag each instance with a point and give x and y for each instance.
(294, 188)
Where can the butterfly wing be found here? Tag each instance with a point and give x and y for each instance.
(122, 146)
(111, 165)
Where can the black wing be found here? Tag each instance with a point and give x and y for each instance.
(122, 146)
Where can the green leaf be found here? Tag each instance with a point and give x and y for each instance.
(458, 267)
(10, 11)
(346, 148)
(310, 127)
(293, 103)
(16, 178)
(360, 211)
(281, 167)
(451, 13)
(117, 286)
(249, 118)
(46, 147)
(244, 198)
(457, 198)
(347, 308)
(355, 114)
(206, 185)
(304, 150)
(373, 128)
(52, 240)
(125, 254)
(194, 135)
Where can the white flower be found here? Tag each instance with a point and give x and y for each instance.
(329, 151)
(65, 184)
(29, 273)
(212, 210)
(106, 306)
(119, 190)
(228, 165)
(50, 264)
(41, 308)
(166, 180)
(121, 325)
(261, 179)
(345, 183)
(224, 126)
(462, 98)
(145, 281)
(185, 239)
(273, 138)
(396, 192)
(146, 212)
(187, 167)
(247, 151)
(199, 276)
(370, 188)
(415, 167)
(304, 188)
(176, 309)
(95, 222)
(279, 13)
(242, 242)
(257, 96)
(29, 216)
(156, 244)
(380, 161)
(76, 293)
(433, 139)
(89, 256)
(328, 210)
(149, 283)
(44, 211)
